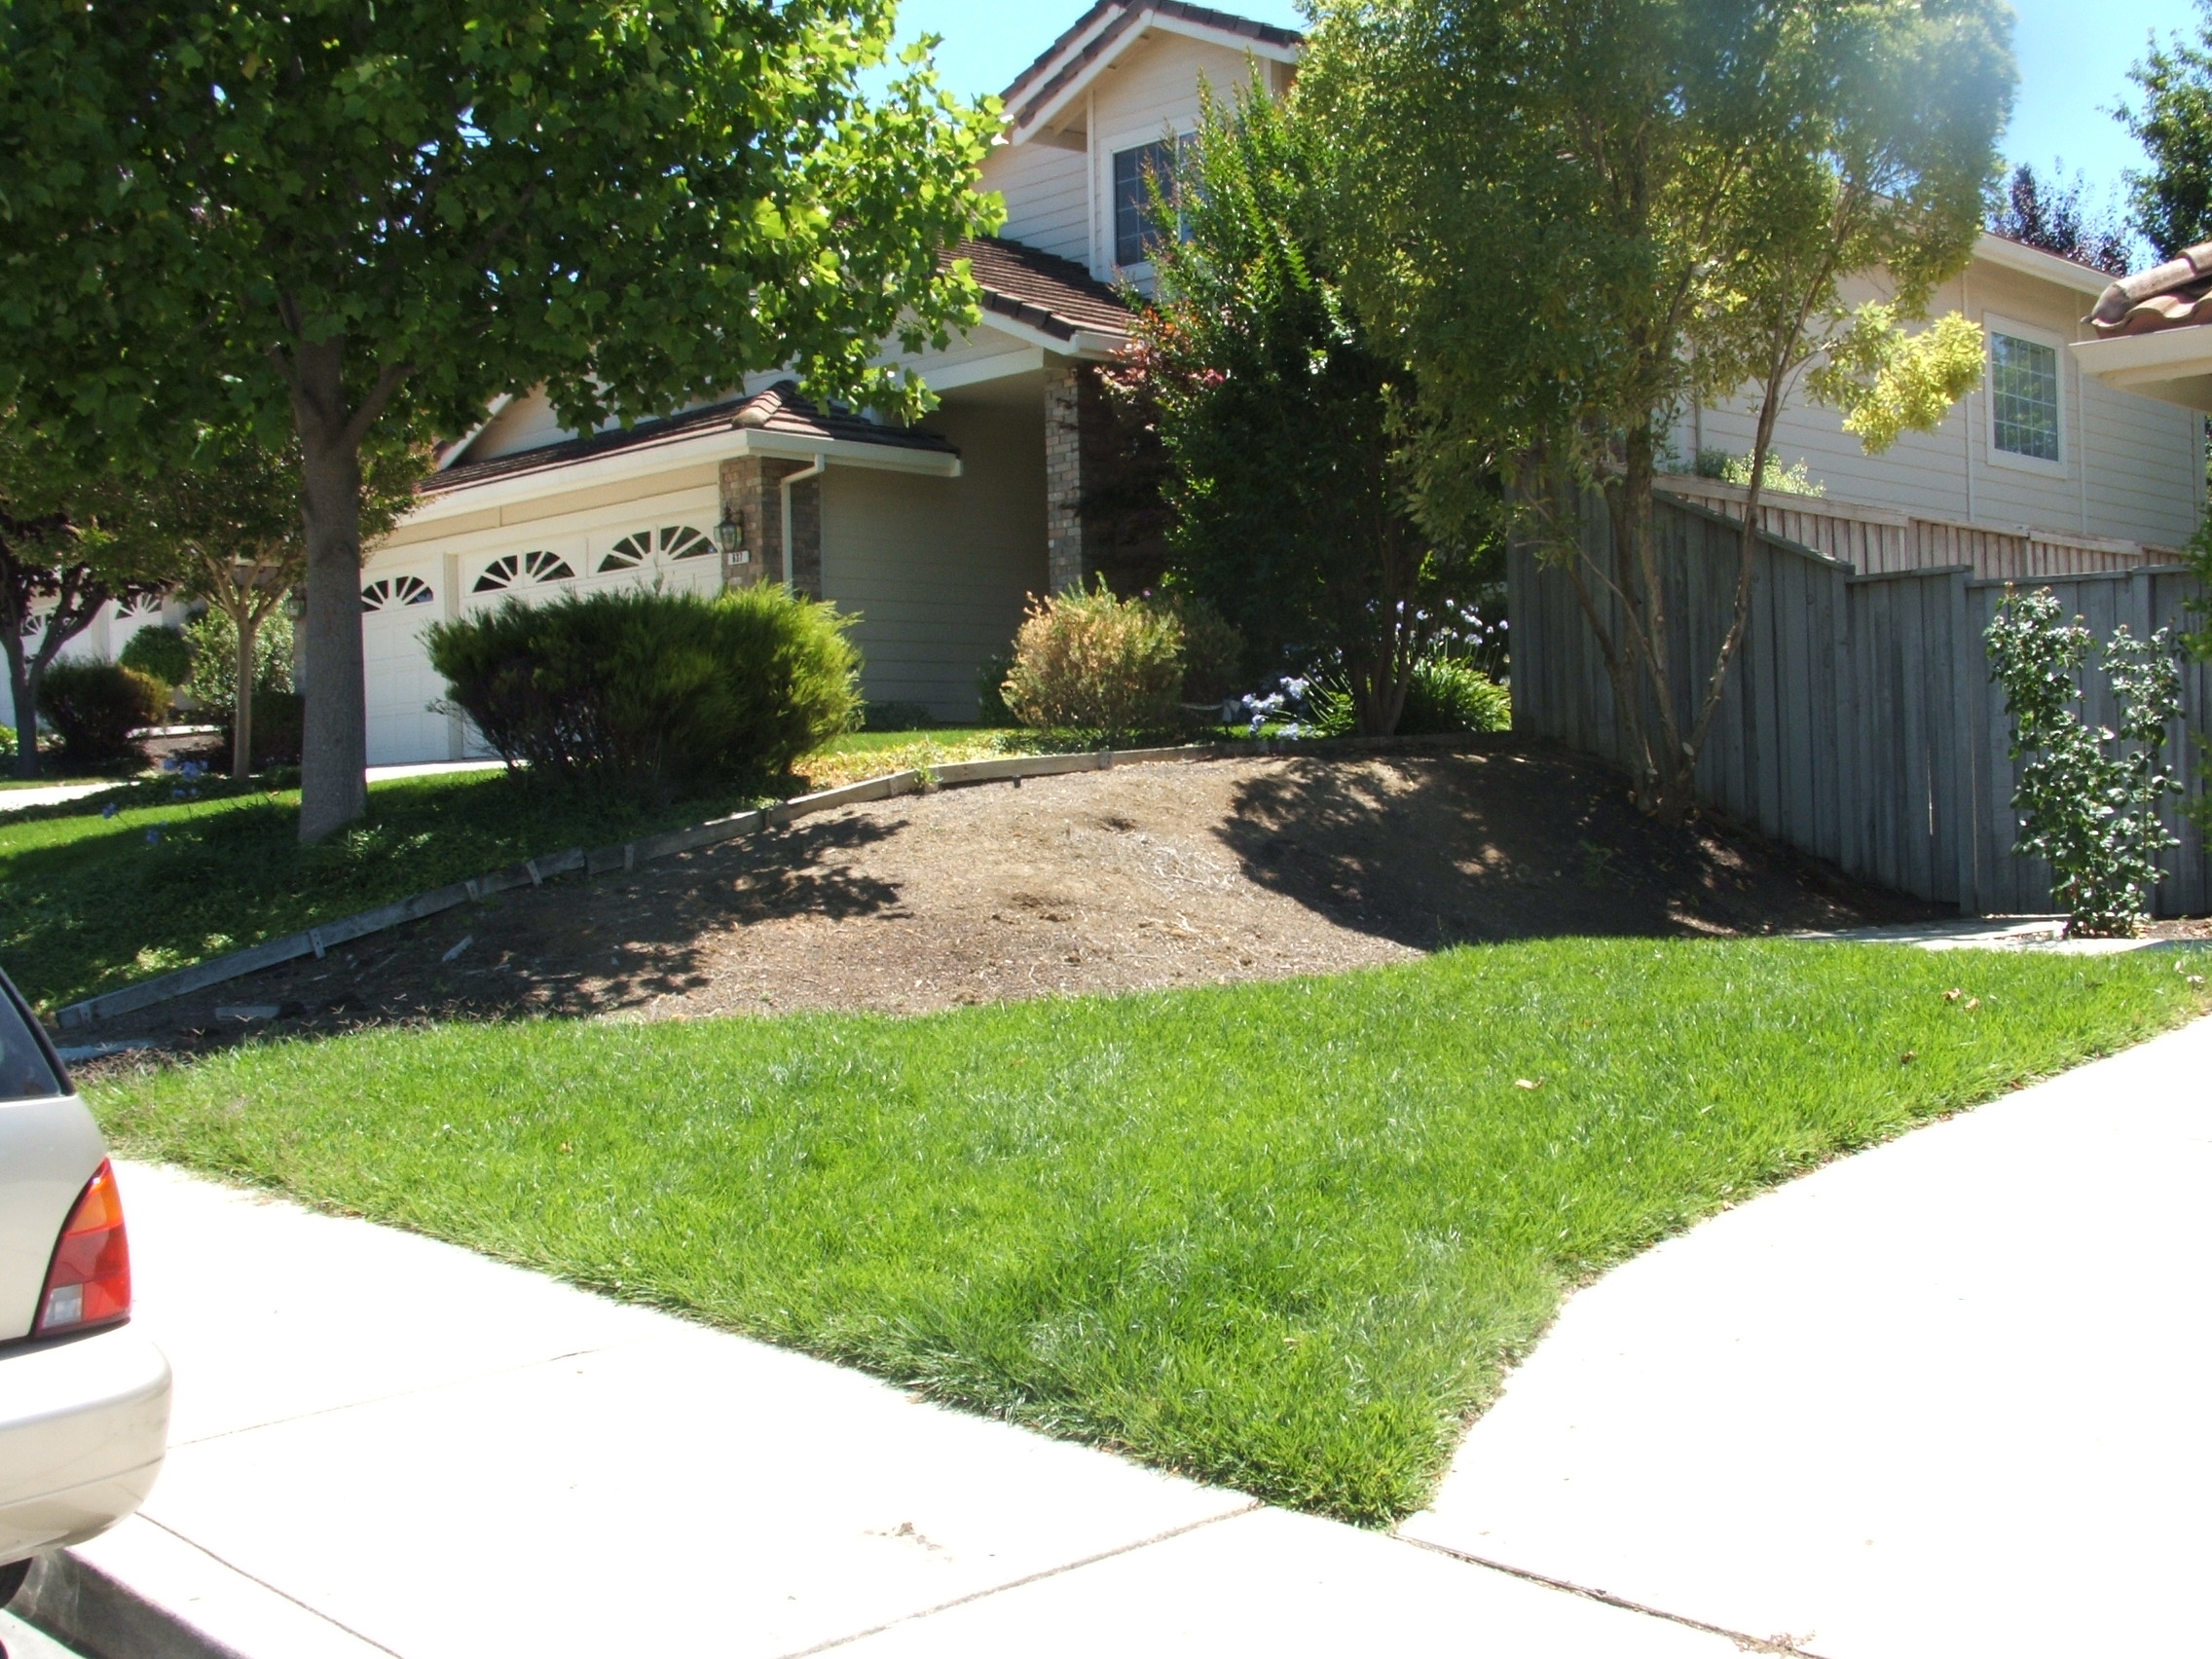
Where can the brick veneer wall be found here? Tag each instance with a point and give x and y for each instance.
(1065, 387)
(751, 493)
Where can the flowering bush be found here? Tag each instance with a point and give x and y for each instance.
(1092, 662)
(1443, 695)
(2091, 810)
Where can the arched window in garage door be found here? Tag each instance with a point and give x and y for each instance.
(670, 543)
(523, 571)
(396, 594)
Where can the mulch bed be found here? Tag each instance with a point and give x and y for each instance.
(1132, 879)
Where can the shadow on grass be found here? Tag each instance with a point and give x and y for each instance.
(89, 904)
(1514, 842)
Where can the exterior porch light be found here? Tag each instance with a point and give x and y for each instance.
(729, 537)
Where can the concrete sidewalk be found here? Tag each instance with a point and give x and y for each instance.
(383, 1445)
(1945, 1398)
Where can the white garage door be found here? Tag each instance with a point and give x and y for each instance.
(403, 686)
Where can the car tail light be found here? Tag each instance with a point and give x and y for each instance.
(90, 1282)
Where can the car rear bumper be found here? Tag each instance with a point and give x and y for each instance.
(84, 1424)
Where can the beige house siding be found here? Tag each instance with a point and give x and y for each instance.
(938, 568)
(1047, 200)
(2130, 468)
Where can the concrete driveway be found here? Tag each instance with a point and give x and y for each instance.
(1949, 1397)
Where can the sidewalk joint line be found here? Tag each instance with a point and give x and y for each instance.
(281, 1594)
(1038, 1577)
(1749, 1643)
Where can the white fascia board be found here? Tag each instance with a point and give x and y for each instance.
(1230, 38)
(692, 450)
(1044, 115)
(977, 371)
(1087, 343)
(2173, 365)
(1031, 129)
(1078, 45)
(2034, 262)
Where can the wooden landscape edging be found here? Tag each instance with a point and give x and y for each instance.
(629, 855)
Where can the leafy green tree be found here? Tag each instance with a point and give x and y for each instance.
(233, 517)
(71, 539)
(1574, 216)
(2056, 216)
(2173, 123)
(1283, 423)
(330, 220)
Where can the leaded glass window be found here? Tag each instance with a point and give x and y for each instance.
(2023, 385)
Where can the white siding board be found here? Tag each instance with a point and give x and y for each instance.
(1047, 202)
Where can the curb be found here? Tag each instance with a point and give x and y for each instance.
(535, 872)
(102, 1617)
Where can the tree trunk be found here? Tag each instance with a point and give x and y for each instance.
(242, 705)
(22, 696)
(334, 751)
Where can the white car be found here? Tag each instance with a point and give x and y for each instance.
(84, 1398)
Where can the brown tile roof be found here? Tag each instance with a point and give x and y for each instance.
(1031, 86)
(1043, 290)
(779, 409)
(2176, 294)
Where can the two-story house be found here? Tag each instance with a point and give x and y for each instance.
(936, 536)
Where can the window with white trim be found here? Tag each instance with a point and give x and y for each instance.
(2024, 397)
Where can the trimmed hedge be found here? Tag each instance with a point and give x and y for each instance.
(666, 695)
(95, 706)
(161, 652)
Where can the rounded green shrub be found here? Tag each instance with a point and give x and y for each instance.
(662, 694)
(1088, 661)
(95, 706)
(161, 652)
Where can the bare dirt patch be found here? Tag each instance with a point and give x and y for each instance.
(1096, 882)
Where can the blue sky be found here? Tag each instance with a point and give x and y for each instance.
(2074, 58)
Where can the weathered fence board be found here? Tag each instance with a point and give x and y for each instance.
(1858, 721)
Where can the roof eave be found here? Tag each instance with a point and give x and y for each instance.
(2029, 261)
(688, 449)
(2173, 365)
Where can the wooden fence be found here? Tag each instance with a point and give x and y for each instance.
(1877, 540)
(1860, 722)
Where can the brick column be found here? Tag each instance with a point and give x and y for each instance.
(753, 494)
(1064, 388)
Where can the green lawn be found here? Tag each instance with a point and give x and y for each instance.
(89, 902)
(1285, 1236)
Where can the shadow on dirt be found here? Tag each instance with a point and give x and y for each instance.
(1514, 842)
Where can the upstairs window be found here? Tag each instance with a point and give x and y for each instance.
(2023, 395)
(1136, 229)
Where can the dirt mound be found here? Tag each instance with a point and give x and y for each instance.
(1100, 881)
